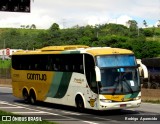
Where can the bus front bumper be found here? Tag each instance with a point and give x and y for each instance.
(118, 105)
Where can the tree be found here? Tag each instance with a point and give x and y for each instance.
(22, 26)
(33, 26)
(54, 27)
(27, 26)
(145, 23)
(133, 28)
(132, 24)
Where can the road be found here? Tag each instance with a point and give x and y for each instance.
(65, 114)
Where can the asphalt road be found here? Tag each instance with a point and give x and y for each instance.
(66, 114)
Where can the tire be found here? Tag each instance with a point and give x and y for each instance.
(25, 96)
(32, 97)
(154, 86)
(146, 85)
(79, 104)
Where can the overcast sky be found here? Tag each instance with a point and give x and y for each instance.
(68, 13)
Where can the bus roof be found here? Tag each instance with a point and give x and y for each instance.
(75, 49)
(107, 50)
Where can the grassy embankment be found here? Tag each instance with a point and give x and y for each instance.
(151, 95)
(5, 63)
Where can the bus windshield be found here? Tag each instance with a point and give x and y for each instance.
(119, 74)
(116, 60)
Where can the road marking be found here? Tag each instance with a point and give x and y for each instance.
(6, 103)
(105, 119)
(3, 102)
(10, 107)
(6, 87)
(89, 122)
(40, 112)
(44, 108)
(71, 113)
(19, 104)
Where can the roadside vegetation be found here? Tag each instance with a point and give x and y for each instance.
(5, 63)
(151, 95)
(140, 41)
(2, 113)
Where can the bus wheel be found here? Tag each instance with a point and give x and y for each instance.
(154, 86)
(32, 97)
(79, 103)
(25, 95)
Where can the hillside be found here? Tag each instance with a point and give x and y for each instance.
(112, 35)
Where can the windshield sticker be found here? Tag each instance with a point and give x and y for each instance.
(132, 83)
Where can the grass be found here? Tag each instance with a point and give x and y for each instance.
(3, 113)
(5, 63)
(151, 95)
(152, 101)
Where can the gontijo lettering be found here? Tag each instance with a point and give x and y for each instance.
(32, 76)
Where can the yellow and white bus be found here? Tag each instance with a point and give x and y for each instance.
(98, 78)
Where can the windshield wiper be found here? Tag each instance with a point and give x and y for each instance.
(116, 86)
(128, 85)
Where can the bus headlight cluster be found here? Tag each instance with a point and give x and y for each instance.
(137, 98)
(105, 100)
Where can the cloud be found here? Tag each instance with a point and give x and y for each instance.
(123, 19)
(68, 13)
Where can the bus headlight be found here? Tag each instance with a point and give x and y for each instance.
(137, 98)
(105, 100)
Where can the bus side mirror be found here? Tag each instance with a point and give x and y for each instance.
(98, 74)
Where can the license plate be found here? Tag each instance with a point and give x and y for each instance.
(122, 105)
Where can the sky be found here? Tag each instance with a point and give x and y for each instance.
(69, 13)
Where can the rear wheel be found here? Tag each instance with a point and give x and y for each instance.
(32, 97)
(25, 95)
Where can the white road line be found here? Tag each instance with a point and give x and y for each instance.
(40, 112)
(6, 87)
(51, 113)
(89, 122)
(6, 103)
(10, 107)
(44, 108)
(105, 119)
(71, 113)
(3, 102)
(21, 104)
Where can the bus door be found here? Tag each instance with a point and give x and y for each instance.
(90, 74)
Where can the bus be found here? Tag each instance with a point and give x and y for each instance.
(97, 78)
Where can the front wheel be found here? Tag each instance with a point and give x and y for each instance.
(80, 104)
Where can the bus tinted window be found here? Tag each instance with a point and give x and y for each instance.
(52, 62)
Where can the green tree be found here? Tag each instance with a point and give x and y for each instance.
(54, 27)
(145, 23)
